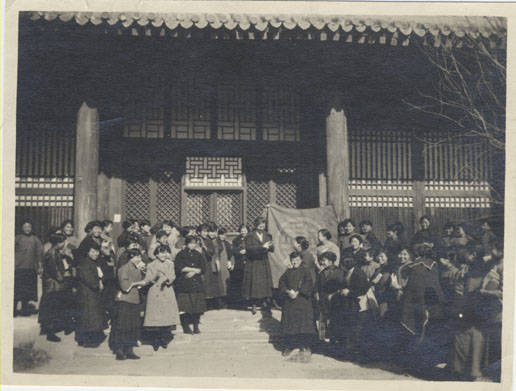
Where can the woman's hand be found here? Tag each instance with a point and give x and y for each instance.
(190, 274)
(344, 292)
(242, 251)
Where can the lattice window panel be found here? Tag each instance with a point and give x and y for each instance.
(286, 194)
(137, 200)
(236, 112)
(281, 114)
(481, 186)
(448, 157)
(145, 114)
(197, 208)
(358, 201)
(359, 184)
(190, 111)
(229, 210)
(168, 200)
(457, 202)
(257, 199)
(33, 200)
(206, 172)
(380, 155)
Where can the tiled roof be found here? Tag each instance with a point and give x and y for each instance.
(394, 30)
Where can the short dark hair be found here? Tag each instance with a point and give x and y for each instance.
(242, 226)
(162, 249)
(294, 254)
(189, 239)
(56, 238)
(345, 222)
(133, 253)
(161, 233)
(329, 255)
(303, 242)
(144, 222)
(106, 223)
(259, 220)
(365, 222)
(91, 225)
(356, 236)
(324, 232)
(202, 227)
(64, 223)
(92, 245)
(397, 227)
(222, 231)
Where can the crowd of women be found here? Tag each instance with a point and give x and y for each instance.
(432, 299)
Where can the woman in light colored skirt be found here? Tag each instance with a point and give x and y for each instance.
(161, 312)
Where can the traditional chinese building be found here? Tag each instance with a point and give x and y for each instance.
(212, 117)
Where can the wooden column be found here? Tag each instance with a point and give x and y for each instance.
(86, 167)
(337, 152)
(102, 197)
(323, 189)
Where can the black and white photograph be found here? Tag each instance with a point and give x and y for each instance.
(301, 194)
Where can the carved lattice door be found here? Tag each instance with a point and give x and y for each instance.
(222, 207)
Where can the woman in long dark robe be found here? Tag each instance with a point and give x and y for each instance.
(212, 286)
(297, 312)
(257, 283)
(91, 320)
(423, 316)
(53, 313)
(189, 267)
(28, 254)
(108, 266)
(356, 316)
(330, 280)
(237, 266)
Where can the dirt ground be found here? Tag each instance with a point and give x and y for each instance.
(231, 344)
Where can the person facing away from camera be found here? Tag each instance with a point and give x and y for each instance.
(297, 313)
